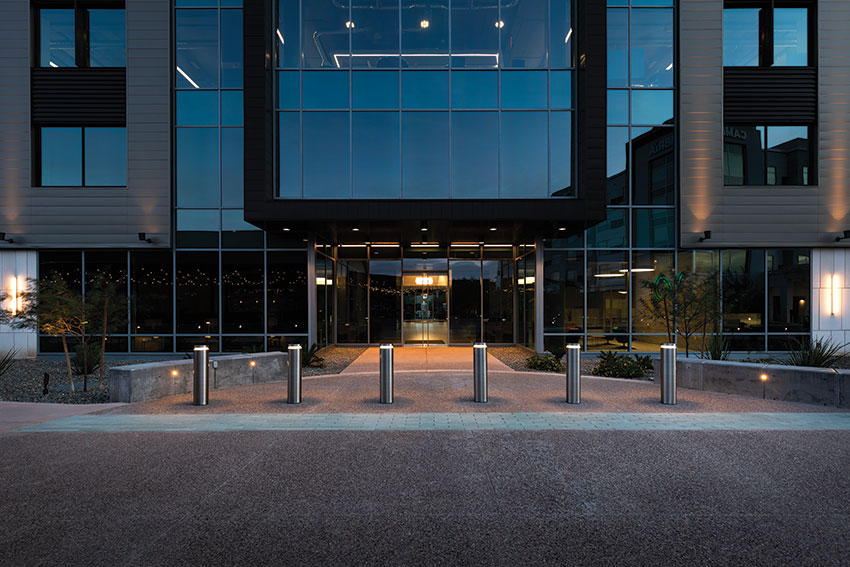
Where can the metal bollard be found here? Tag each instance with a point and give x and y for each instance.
(573, 374)
(479, 359)
(201, 380)
(668, 373)
(293, 381)
(386, 374)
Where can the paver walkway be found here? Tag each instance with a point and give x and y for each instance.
(772, 421)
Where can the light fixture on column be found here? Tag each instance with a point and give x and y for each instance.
(4, 239)
(705, 236)
(845, 237)
(144, 238)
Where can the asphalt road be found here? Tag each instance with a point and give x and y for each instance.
(425, 498)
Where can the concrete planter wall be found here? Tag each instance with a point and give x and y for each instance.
(821, 386)
(140, 382)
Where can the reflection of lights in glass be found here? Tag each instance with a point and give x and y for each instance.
(609, 275)
(280, 37)
(424, 24)
(499, 24)
(635, 270)
(323, 281)
(52, 64)
(569, 35)
(621, 292)
(349, 24)
(668, 67)
(424, 245)
(424, 280)
(528, 280)
(187, 77)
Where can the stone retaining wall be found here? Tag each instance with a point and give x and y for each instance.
(139, 382)
(821, 386)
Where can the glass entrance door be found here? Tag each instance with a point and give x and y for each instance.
(426, 309)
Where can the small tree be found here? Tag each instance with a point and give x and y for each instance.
(54, 308)
(687, 303)
(107, 298)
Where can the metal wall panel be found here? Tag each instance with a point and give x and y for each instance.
(75, 217)
(79, 96)
(770, 95)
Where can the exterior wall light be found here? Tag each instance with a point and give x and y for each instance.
(705, 236)
(834, 295)
(845, 237)
(4, 239)
(16, 300)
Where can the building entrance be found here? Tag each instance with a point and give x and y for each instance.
(425, 309)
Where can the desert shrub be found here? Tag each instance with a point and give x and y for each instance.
(616, 365)
(545, 361)
(7, 361)
(717, 348)
(86, 359)
(819, 353)
(312, 358)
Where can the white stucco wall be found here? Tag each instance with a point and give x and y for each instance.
(15, 267)
(831, 319)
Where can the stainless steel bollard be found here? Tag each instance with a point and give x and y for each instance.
(668, 374)
(479, 360)
(293, 381)
(573, 374)
(386, 374)
(201, 379)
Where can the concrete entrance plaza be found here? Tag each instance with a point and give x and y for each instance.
(433, 479)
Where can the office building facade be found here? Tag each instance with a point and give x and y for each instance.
(260, 173)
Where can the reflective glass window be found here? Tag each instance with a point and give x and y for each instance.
(651, 52)
(105, 157)
(326, 155)
(425, 34)
(743, 155)
(197, 49)
(151, 289)
(326, 27)
(613, 232)
(524, 154)
(790, 37)
(424, 89)
(242, 289)
(197, 108)
(475, 155)
(788, 155)
(523, 34)
(653, 167)
(61, 156)
(198, 228)
(376, 165)
(607, 300)
(197, 167)
(560, 34)
(385, 301)
(231, 108)
(425, 155)
(107, 38)
(618, 47)
(326, 90)
(647, 267)
(743, 290)
(289, 154)
(561, 89)
(465, 325)
(653, 228)
(374, 90)
(57, 45)
(475, 34)
(618, 181)
(560, 154)
(231, 49)
(618, 106)
(475, 89)
(741, 37)
(232, 167)
(287, 292)
(563, 291)
(497, 279)
(374, 36)
(197, 292)
(652, 107)
(288, 90)
(788, 290)
(524, 89)
(352, 301)
(287, 34)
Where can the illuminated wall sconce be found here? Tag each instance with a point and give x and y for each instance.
(16, 300)
(834, 294)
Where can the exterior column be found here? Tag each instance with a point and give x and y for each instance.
(311, 293)
(538, 295)
(830, 295)
(16, 267)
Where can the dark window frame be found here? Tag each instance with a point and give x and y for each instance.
(81, 28)
(766, 43)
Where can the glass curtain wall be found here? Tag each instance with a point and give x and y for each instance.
(362, 89)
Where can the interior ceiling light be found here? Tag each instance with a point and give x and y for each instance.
(187, 77)
(280, 37)
(609, 275)
(424, 24)
(669, 67)
(424, 227)
(635, 270)
(562, 228)
(499, 24)
(569, 35)
(349, 24)
(493, 229)
(355, 227)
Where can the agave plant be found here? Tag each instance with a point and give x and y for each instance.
(7, 361)
(818, 353)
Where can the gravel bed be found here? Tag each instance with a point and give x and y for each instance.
(336, 358)
(24, 382)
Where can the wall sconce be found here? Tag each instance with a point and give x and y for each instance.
(705, 236)
(845, 237)
(16, 300)
(834, 295)
(4, 239)
(143, 237)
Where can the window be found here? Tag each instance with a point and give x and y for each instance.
(99, 26)
(82, 156)
(767, 155)
(766, 33)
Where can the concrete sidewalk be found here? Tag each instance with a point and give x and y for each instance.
(14, 415)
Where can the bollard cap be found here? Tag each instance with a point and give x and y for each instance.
(389, 347)
(202, 347)
(479, 345)
(295, 346)
(668, 345)
(573, 345)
